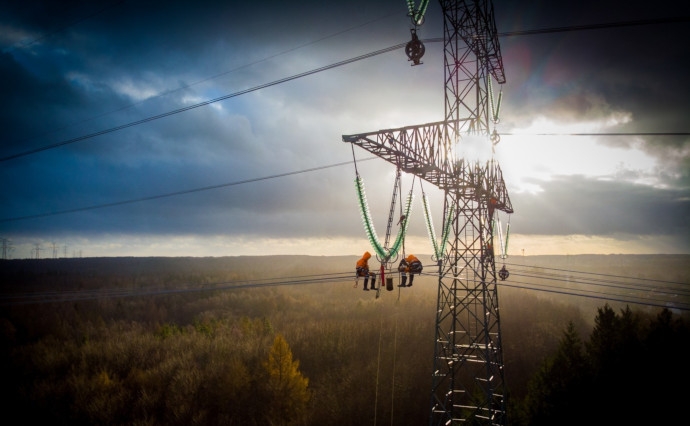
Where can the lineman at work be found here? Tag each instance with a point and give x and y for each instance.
(362, 270)
(409, 266)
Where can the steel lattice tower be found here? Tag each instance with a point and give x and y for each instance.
(468, 378)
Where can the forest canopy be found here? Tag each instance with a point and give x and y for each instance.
(307, 353)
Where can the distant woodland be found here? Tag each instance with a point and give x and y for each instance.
(172, 341)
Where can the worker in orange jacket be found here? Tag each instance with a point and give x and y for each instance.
(362, 270)
(409, 266)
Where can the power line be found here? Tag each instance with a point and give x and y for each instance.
(172, 194)
(629, 288)
(81, 295)
(597, 273)
(327, 67)
(209, 102)
(95, 294)
(530, 286)
(603, 283)
(646, 291)
(601, 134)
(247, 65)
(618, 24)
(646, 300)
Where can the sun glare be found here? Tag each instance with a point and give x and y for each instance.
(546, 148)
(473, 148)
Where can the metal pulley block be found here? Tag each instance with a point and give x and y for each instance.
(415, 48)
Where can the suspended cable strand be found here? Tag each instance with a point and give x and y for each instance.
(213, 77)
(340, 277)
(201, 104)
(598, 273)
(671, 20)
(172, 194)
(551, 289)
(600, 134)
(81, 295)
(598, 281)
(600, 284)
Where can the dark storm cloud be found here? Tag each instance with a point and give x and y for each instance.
(638, 71)
(595, 206)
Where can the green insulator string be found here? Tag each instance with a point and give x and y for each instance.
(446, 229)
(497, 224)
(495, 107)
(503, 244)
(438, 250)
(505, 251)
(498, 106)
(381, 251)
(366, 218)
(430, 225)
(417, 14)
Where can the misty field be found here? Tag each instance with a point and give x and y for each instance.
(289, 340)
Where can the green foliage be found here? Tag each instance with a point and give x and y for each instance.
(124, 374)
(560, 385)
(168, 330)
(622, 372)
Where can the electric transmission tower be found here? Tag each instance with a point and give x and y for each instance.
(468, 378)
(6, 248)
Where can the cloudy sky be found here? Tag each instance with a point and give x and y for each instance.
(212, 128)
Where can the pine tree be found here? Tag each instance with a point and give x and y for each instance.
(555, 394)
(287, 389)
(615, 351)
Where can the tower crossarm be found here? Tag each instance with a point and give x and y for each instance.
(422, 150)
(426, 152)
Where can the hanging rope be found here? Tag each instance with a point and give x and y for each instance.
(505, 251)
(395, 346)
(396, 187)
(378, 367)
(402, 215)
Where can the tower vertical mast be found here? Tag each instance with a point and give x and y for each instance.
(467, 378)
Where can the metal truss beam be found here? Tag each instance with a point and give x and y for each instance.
(426, 151)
